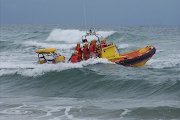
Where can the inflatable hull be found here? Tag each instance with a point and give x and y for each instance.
(136, 57)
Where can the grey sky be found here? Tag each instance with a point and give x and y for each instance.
(122, 12)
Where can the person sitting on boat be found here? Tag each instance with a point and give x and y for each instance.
(92, 48)
(94, 40)
(78, 48)
(44, 58)
(86, 51)
(84, 40)
(103, 43)
(75, 58)
(97, 47)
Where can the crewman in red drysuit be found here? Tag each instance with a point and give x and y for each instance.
(103, 43)
(92, 49)
(78, 48)
(75, 58)
(86, 52)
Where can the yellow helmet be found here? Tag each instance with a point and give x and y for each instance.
(86, 44)
(75, 52)
(94, 41)
(59, 54)
(78, 44)
(104, 39)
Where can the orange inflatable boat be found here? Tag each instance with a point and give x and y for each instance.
(134, 58)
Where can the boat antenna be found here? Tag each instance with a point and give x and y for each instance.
(93, 17)
(84, 17)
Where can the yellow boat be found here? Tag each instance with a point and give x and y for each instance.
(49, 52)
(135, 58)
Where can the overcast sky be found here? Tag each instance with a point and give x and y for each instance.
(122, 12)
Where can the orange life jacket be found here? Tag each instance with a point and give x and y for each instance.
(86, 52)
(76, 49)
(79, 51)
(92, 48)
(103, 45)
(74, 58)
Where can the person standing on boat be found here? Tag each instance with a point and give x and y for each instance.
(86, 51)
(78, 48)
(103, 43)
(92, 49)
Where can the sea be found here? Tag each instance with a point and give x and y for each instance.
(95, 89)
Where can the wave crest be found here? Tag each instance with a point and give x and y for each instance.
(72, 36)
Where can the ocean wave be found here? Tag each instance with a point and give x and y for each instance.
(85, 83)
(32, 69)
(160, 112)
(66, 110)
(93, 89)
(72, 36)
(40, 45)
(163, 63)
(126, 37)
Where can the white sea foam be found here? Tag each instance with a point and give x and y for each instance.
(48, 45)
(69, 36)
(72, 36)
(50, 110)
(126, 111)
(16, 111)
(164, 61)
(34, 69)
(161, 64)
(44, 68)
(123, 45)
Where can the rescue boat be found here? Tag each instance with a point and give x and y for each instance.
(48, 55)
(134, 58)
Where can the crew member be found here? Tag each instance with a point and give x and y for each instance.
(104, 40)
(75, 58)
(103, 43)
(92, 48)
(84, 40)
(78, 48)
(86, 51)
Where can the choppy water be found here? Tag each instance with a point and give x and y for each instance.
(90, 90)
